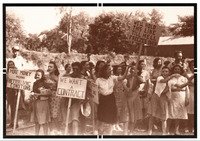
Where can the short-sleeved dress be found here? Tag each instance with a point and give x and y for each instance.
(161, 107)
(177, 105)
(55, 101)
(107, 110)
(153, 104)
(143, 102)
(121, 100)
(134, 101)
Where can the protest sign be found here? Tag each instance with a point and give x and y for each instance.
(21, 79)
(71, 87)
(144, 33)
(93, 91)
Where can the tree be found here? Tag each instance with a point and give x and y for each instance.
(155, 17)
(53, 40)
(14, 32)
(75, 29)
(107, 33)
(33, 42)
(185, 26)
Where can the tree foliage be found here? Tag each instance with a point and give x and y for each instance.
(56, 40)
(107, 33)
(185, 26)
(14, 32)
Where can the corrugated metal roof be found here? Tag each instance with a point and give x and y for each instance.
(176, 41)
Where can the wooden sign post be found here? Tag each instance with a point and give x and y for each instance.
(67, 118)
(143, 33)
(20, 80)
(71, 88)
(93, 92)
(16, 111)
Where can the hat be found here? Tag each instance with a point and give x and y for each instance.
(86, 109)
(15, 48)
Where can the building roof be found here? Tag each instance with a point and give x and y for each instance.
(170, 40)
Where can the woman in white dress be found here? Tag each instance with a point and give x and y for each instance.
(190, 107)
(178, 97)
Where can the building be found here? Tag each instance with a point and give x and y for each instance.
(168, 45)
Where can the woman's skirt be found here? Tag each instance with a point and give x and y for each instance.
(163, 108)
(42, 111)
(135, 106)
(107, 110)
(154, 105)
(55, 108)
(177, 108)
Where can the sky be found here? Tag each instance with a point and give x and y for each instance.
(37, 19)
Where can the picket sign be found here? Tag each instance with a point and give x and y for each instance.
(21, 79)
(93, 91)
(144, 33)
(71, 88)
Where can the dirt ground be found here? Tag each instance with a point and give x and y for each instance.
(26, 128)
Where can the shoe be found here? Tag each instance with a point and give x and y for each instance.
(177, 133)
(59, 133)
(130, 133)
(149, 133)
(165, 133)
(155, 127)
(118, 128)
(10, 126)
(186, 131)
(115, 127)
(52, 132)
(95, 132)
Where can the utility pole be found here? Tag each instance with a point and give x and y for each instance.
(69, 37)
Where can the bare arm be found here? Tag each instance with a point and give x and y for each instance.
(93, 76)
(165, 80)
(185, 84)
(125, 74)
(140, 79)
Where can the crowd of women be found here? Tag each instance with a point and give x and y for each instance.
(128, 93)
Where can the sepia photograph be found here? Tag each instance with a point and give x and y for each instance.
(100, 70)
